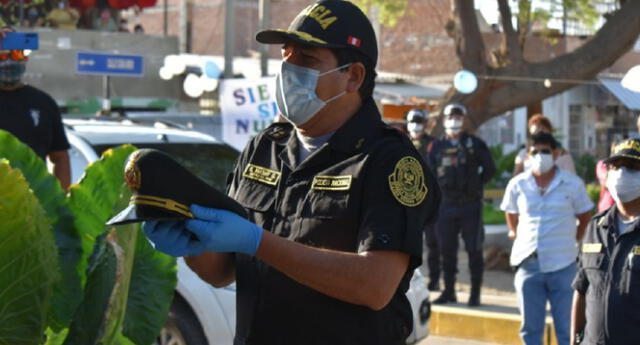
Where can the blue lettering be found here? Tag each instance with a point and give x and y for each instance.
(242, 126)
(264, 110)
(259, 125)
(250, 91)
(239, 96)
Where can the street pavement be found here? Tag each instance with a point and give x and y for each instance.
(437, 340)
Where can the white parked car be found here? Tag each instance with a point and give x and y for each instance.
(200, 314)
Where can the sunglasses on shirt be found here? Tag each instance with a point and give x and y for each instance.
(542, 151)
(15, 55)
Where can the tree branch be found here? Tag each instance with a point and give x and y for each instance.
(614, 39)
(510, 46)
(466, 34)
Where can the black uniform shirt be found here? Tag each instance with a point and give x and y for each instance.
(34, 118)
(339, 198)
(462, 169)
(609, 277)
(422, 145)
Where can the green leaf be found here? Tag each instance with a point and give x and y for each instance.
(68, 290)
(151, 292)
(28, 261)
(88, 325)
(93, 199)
(56, 338)
(125, 237)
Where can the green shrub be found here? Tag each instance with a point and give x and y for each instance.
(593, 189)
(504, 167)
(586, 168)
(491, 215)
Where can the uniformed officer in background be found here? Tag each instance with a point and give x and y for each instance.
(462, 164)
(336, 199)
(417, 126)
(606, 301)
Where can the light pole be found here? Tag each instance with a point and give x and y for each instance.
(229, 37)
(264, 15)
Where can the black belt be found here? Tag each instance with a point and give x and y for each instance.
(533, 255)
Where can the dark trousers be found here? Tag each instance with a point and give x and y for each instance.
(433, 252)
(464, 220)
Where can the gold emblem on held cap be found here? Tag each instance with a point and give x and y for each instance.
(132, 173)
(407, 182)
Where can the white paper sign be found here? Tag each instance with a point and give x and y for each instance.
(248, 106)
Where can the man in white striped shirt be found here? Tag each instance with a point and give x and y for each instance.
(541, 206)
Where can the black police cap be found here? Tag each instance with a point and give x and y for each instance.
(454, 109)
(417, 115)
(628, 149)
(328, 24)
(162, 189)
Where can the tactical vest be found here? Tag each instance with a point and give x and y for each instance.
(457, 170)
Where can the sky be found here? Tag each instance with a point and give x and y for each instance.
(489, 9)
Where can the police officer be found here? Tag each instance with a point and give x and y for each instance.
(336, 199)
(417, 121)
(463, 164)
(606, 301)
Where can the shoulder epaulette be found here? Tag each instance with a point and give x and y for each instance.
(278, 130)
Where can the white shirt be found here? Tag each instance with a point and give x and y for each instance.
(547, 222)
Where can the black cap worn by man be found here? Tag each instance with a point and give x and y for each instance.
(629, 149)
(328, 24)
(163, 190)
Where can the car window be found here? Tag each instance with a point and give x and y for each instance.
(211, 162)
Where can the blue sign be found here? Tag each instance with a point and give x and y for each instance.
(110, 64)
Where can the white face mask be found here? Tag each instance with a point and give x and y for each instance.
(623, 184)
(415, 128)
(296, 92)
(541, 163)
(452, 126)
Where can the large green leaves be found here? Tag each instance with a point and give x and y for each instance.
(28, 261)
(100, 194)
(140, 280)
(152, 285)
(68, 290)
(93, 199)
(88, 325)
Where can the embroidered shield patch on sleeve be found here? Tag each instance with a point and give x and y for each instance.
(407, 182)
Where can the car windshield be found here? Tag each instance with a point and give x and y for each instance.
(211, 162)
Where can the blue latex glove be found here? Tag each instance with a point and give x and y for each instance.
(224, 231)
(171, 238)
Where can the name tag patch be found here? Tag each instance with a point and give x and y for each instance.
(591, 247)
(636, 250)
(331, 182)
(261, 174)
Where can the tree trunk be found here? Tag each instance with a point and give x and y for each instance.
(497, 90)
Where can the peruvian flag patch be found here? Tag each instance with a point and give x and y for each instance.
(354, 41)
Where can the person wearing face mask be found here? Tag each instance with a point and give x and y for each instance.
(417, 120)
(542, 123)
(541, 206)
(337, 200)
(606, 300)
(462, 164)
(31, 114)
